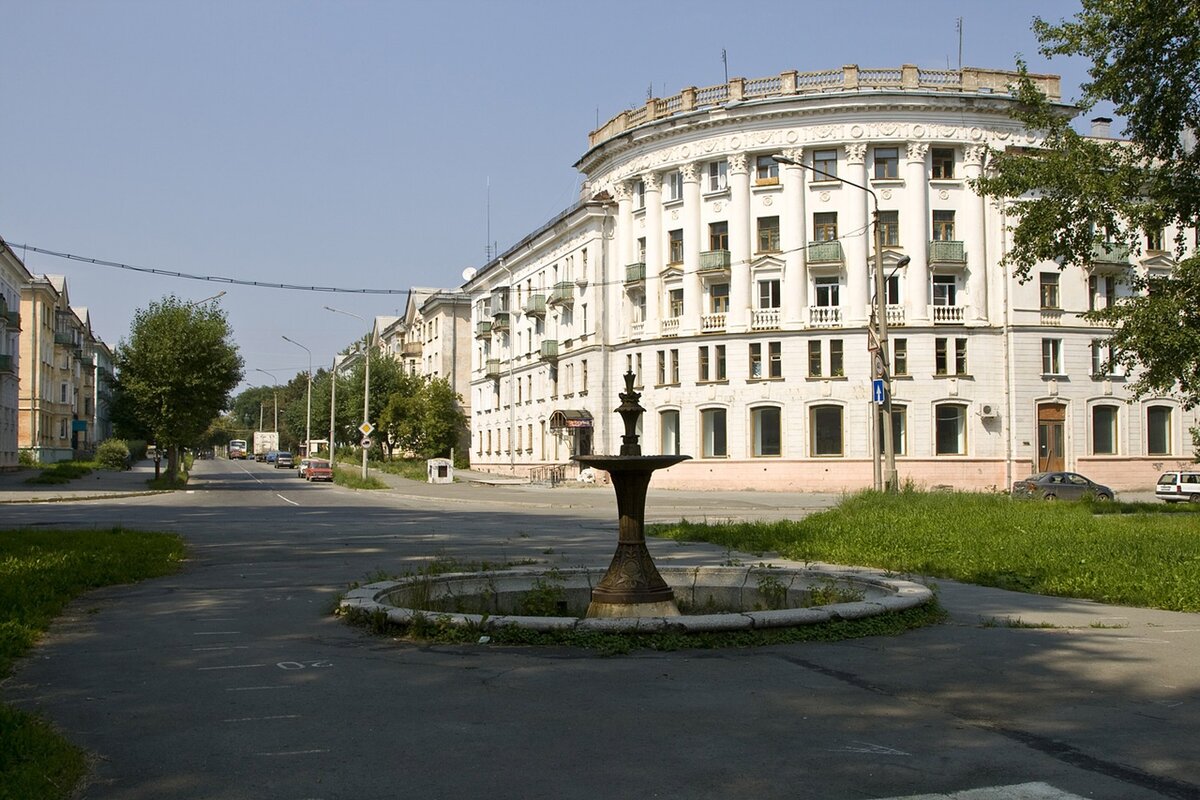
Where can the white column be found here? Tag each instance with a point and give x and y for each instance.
(973, 238)
(693, 237)
(914, 233)
(739, 243)
(654, 251)
(855, 233)
(792, 239)
(623, 246)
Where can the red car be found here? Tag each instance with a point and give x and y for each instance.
(319, 470)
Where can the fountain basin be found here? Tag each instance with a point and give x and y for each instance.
(710, 598)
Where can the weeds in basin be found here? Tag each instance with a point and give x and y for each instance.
(547, 597)
(772, 591)
(829, 592)
(1014, 622)
(1102, 624)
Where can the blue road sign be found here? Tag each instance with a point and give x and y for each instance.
(877, 390)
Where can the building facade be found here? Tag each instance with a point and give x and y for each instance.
(723, 251)
(13, 276)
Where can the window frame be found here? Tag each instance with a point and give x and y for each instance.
(960, 433)
(767, 238)
(823, 158)
(663, 430)
(1164, 435)
(714, 441)
(889, 228)
(888, 165)
(1113, 429)
(817, 433)
(1048, 290)
(940, 157)
(718, 176)
(760, 444)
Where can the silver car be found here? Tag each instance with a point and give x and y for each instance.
(1060, 486)
(283, 460)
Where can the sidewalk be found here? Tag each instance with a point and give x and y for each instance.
(99, 484)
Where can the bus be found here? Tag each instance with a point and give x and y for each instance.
(237, 448)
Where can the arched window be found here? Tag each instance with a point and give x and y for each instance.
(713, 433)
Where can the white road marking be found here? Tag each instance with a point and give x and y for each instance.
(284, 499)
(262, 719)
(258, 688)
(292, 753)
(231, 666)
(870, 749)
(216, 633)
(1022, 791)
(221, 647)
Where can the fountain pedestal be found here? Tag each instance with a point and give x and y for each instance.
(632, 587)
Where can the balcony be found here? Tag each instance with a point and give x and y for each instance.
(637, 329)
(64, 337)
(825, 253)
(499, 300)
(635, 273)
(947, 252)
(764, 319)
(483, 330)
(714, 260)
(548, 350)
(563, 293)
(1110, 254)
(491, 369)
(535, 305)
(895, 316)
(1051, 316)
(500, 322)
(712, 323)
(410, 350)
(670, 327)
(825, 316)
(949, 315)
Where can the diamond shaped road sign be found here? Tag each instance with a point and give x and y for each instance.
(366, 428)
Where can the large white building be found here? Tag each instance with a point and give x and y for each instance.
(739, 290)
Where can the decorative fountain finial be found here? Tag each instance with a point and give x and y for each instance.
(630, 410)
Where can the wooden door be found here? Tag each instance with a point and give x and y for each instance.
(1051, 436)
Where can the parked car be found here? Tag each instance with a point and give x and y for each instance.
(1178, 487)
(319, 470)
(302, 470)
(1060, 486)
(270, 457)
(283, 460)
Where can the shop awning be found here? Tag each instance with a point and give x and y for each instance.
(570, 418)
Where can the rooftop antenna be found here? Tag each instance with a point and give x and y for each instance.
(725, 61)
(487, 245)
(959, 25)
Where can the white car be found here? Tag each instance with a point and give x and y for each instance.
(1178, 487)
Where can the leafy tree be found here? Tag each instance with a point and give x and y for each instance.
(1075, 195)
(387, 379)
(176, 370)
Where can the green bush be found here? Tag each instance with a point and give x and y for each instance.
(113, 454)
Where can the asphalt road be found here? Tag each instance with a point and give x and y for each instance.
(231, 679)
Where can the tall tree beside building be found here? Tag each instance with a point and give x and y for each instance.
(176, 370)
(1076, 194)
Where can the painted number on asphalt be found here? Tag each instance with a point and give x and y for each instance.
(304, 664)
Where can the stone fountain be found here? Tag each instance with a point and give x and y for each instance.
(632, 587)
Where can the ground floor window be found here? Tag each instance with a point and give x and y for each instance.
(767, 429)
(1104, 430)
(825, 430)
(899, 431)
(950, 425)
(712, 422)
(1158, 430)
(668, 433)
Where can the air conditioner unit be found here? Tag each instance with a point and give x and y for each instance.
(988, 411)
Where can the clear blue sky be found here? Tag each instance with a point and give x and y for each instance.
(351, 144)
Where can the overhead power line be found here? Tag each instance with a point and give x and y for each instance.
(208, 278)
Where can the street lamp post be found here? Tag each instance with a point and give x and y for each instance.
(308, 417)
(882, 363)
(366, 380)
(275, 393)
(216, 296)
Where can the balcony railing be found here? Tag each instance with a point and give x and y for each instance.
(499, 300)
(949, 315)
(483, 329)
(825, 316)
(635, 272)
(500, 322)
(947, 251)
(895, 315)
(764, 319)
(535, 305)
(712, 323)
(714, 259)
(491, 368)
(1051, 316)
(66, 337)
(548, 350)
(670, 326)
(1110, 253)
(825, 253)
(636, 329)
(563, 293)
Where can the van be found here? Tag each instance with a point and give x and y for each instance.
(1177, 487)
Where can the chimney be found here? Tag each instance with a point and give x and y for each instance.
(1102, 127)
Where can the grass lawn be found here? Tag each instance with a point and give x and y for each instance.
(40, 573)
(1138, 558)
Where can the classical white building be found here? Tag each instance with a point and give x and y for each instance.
(739, 290)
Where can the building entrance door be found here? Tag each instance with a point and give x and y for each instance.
(1051, 437)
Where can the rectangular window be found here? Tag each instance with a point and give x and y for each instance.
(637, 368)
(775, 359)
(889, 228)
(674, 366)
(826, 292)
(1158, 430)
(950, 437)
(639, 194)
(1051, 356)
(943, 163)
(825, 165)
(766, 171)
(1048, 285)
(712, 422)
(674, 186)
(943, 226)
(899, 356)
(719, 359)
(825, 430)
(718, 298)
(767, 431)
(768, 294)
(887, 162)
(943, 290)
(756, 360)
(960, 356)
(837, 366)
(1104, 430)
(1102, 359)
(641, 249)
(702, 365)
(825, 226)
(891, 289)
(768, 234)
(814, 359)
(583, 376)
(662, 367)
(1102, 292)
(1154, 240)
(718, 236)
(668, 433)
(950, 354)
(675, 302)
(675, 246)
(718, 176)
(899, 432)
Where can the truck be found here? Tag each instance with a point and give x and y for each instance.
(265, 442)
